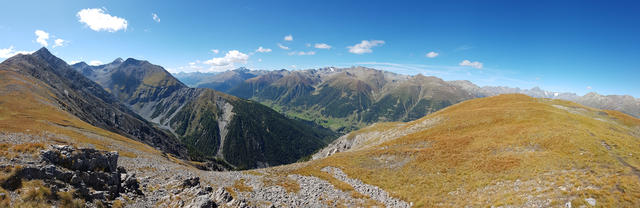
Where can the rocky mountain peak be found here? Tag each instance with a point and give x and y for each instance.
(242, 69)
(45, 55)
(43, 52)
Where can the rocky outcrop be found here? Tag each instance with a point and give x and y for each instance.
(94, 174)
(191, 193)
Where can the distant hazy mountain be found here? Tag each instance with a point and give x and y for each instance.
(213, 125)
(343, 99)
(221, 81)
(88, 101)
(623, 103)
(192, 79)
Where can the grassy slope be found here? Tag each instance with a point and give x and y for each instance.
(505, 150)
(27, 106)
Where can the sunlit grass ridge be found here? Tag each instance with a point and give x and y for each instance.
(505, 150)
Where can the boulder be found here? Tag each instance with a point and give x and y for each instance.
(191, 182)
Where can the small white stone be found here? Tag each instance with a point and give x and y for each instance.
(591, 201)
(567, 205)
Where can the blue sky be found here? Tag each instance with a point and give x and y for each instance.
(573, 46)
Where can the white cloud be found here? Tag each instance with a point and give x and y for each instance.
(74, 62)
(283, 47)
(9, 52)
(230, 58)
(95, 63)
(216, 51)
(42, 37)
(322, 46)
(98, 20)
(294, 66)
(288, 38)
(365, 46)
(259, 60)
(263, 50)
(474, 64)
(302, 53)
(59, 42)
(432, 54)
(589, 88)
(155, 17)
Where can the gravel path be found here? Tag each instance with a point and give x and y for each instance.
(372, 191)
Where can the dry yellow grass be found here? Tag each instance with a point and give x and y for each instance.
(500, 143)
(28, 147)
(35, 193)
(66, 200)
(290, 185)
(26, 106)
(240, 186)
(5, 198)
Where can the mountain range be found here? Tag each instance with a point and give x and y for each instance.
(624, 103)
(346, 99)
(420, 141)
(213, 125)
(143, 101)
(342, 99)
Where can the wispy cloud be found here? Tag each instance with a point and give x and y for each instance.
(95, 63)
(233, 56)
(302, 53)
(283, 47)
(216, 51)
(42, 37)
(410, 68)
(59, 43)
(288, 38)
(474, 64)
(365, 46)
(155, 17)
(263, 50)
(432, 54)
(322, 46)
(9, 52)
(98, 20)
(463, 48)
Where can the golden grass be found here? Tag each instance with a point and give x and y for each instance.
(66, 200)
(5, 198)
(500, 140)
(28, 147)
(4, 151)
(29, 108)
(290, 185)
(117, 204)
(35, 192)
(231, 192)
(240, 186)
